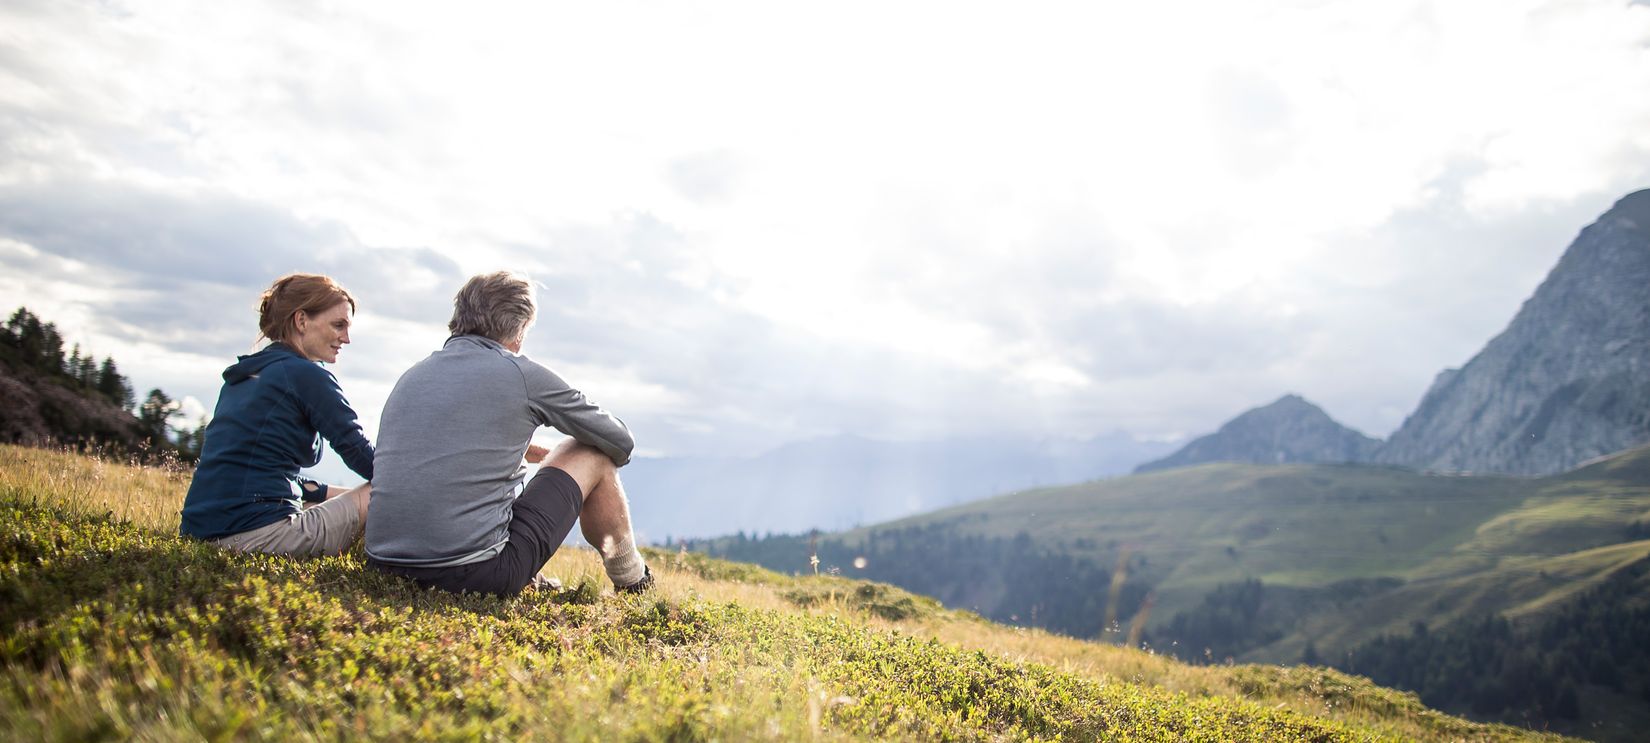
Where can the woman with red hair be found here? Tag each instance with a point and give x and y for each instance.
(275, 407)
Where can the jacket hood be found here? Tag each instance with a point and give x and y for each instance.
(248, 366)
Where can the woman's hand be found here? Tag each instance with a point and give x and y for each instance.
(536, 453)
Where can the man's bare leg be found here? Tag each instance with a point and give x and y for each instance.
(605, 519)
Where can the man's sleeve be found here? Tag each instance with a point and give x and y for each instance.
(556, 404)
(331, 414)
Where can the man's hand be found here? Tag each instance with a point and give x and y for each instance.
(536, 453)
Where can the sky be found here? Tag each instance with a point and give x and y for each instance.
(760, 223)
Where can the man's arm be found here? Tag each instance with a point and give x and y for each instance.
(556, 404)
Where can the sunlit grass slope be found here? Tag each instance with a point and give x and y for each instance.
(113, 628)
(1463, 546)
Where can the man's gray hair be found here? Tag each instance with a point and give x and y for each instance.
(496, 305)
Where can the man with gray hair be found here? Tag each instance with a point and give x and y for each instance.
(452, 507)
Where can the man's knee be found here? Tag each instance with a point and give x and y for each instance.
(588, 466)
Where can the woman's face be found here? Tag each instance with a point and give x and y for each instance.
(319, 336)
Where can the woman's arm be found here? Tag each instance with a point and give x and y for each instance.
(317, 492)
(331, 414)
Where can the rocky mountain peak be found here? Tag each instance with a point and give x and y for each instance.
(1567, 381)
(1287, 431)
(1634, 208)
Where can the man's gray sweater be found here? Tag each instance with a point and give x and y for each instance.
(449, 462)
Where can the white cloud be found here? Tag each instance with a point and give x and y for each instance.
(757, 222)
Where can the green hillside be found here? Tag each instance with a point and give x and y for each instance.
(1275, 564)
(1451, 545)
(113, 628)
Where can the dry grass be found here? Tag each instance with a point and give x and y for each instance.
(97, 483)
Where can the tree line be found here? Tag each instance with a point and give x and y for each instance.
(1535, 672)
(1236, 618)
(34, 348)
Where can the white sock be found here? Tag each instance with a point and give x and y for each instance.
(623, 561)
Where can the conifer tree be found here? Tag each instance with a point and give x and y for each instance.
(14, 324)
(51, 349)
(30, 336)
(109, 381)
(191, 441)
(113, 385)
(17, 326)
(157, 408)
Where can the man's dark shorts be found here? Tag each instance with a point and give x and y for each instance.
(541, 519)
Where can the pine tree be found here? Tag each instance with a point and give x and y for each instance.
(108, 380)
(192, 441)
(157, 408)
(14, 326)
(50, 358)
(113, 385)
(28, 336)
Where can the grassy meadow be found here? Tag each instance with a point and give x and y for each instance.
(1456, 546)
(113, 628)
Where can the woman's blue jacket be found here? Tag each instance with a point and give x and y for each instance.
(274, 409)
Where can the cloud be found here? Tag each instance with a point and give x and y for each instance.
(188, 257)
(622, 300)
(705, 177)
(1256, 137)
(1069, 218)
(141, 231)
(414, 284)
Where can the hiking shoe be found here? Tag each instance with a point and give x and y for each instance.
(551, 584)
(639, 586)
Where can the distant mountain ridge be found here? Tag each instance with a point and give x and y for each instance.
(1289, 431)
(843, 481)
(1568, 381)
